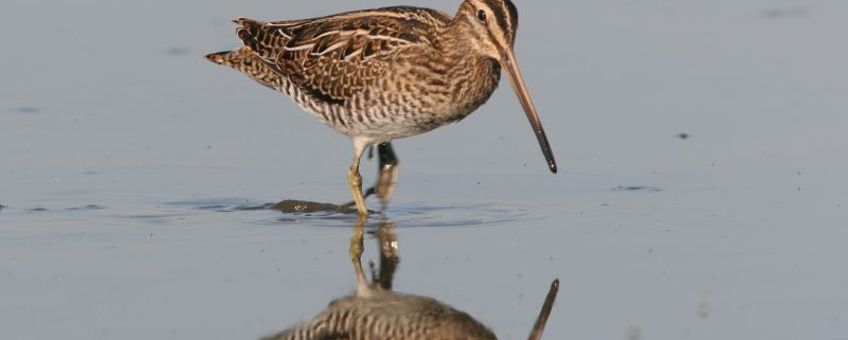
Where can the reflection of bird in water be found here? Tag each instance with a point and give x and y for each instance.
(375, 312)
(383, 74)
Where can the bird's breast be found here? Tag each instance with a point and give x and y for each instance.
(475, 87)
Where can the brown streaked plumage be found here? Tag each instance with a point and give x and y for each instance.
(383, 74)
(375, 312)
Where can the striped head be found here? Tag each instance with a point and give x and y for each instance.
(490, 27)
(493, 23)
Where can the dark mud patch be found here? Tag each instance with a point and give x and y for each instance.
(39, 209)
(407, 215)
(306, 207)
(89, 207)
(683, 136)
(2, 207)
(784, 13)
(622, 188)
(419, 215)
(26, 110)
(296, 207)
(177, 51)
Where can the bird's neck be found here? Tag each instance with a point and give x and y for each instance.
(459, 37)
(472, 76)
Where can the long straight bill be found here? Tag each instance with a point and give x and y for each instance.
(524, 97)
(542, 320)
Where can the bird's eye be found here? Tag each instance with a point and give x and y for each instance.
(481, 15)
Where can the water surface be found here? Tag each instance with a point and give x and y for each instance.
(126, 157)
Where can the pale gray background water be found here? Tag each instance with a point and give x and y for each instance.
(113, 125)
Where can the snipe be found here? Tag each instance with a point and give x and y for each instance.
(375, 312)
(383, 74)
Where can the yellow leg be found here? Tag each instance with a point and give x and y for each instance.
(355, 252)
(386, 177)
(354, 179)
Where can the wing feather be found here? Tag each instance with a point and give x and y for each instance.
(330, 56)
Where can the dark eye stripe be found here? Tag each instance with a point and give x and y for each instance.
(499, 9)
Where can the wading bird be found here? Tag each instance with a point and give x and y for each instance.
(383, 74)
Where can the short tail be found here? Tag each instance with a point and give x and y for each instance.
(227, 58)
(245, 61)
(258, 40)
(242, 59)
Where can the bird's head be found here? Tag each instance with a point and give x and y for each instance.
(491, 26)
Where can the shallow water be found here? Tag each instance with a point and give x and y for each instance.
(128, 160)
